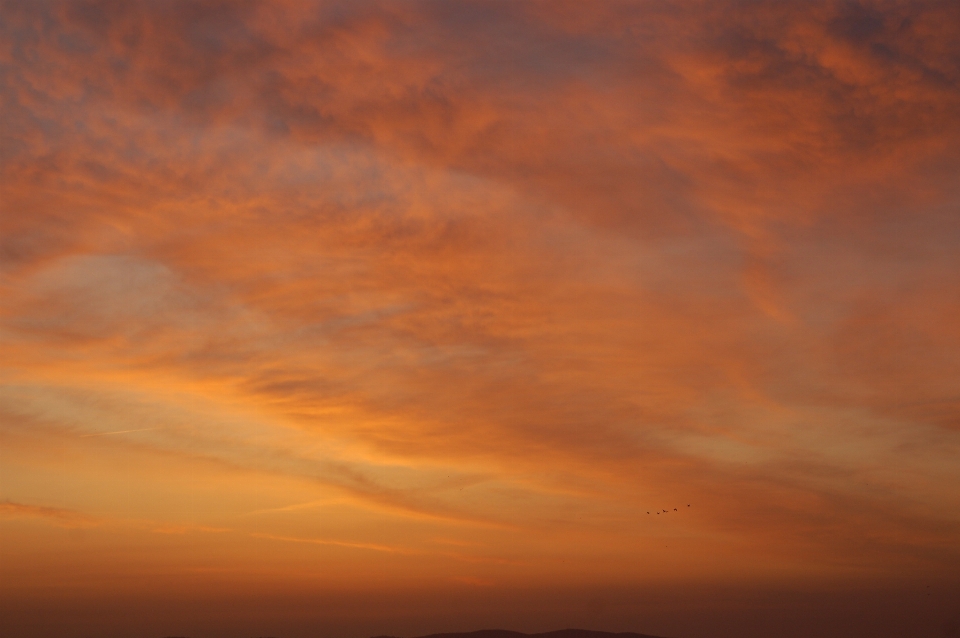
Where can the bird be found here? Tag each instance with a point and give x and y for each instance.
(688, 504)
(674, 509)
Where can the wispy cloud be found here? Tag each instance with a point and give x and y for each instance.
(351, 545)
(509, 275)
(58, 516)
(83, 436)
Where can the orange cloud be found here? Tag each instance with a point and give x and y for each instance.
(362, 276)
(54, 515)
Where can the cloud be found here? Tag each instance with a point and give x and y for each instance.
(351, 545)
(53, 515)
(183, 529)
(498, 271)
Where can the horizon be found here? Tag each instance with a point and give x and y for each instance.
(345, 319)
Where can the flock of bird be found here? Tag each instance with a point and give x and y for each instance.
(668, 511)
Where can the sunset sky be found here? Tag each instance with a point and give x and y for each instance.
(335, 319)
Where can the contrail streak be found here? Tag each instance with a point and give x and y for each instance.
(323, 541)
(83, 436)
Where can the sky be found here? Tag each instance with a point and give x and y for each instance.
(337, 319)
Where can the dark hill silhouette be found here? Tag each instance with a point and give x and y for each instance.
(562, 633)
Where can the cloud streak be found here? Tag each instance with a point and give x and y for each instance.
(55, 515)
